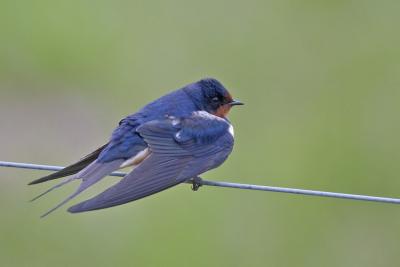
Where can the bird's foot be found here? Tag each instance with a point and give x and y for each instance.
(197, 182)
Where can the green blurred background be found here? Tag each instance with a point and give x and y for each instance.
(321, 83)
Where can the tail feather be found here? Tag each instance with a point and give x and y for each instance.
(71, 169)
(52, 188)
(90, 175)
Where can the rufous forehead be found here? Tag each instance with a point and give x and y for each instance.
(228, 96)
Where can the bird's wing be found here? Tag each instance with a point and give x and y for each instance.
(180, 150)
(73, 168)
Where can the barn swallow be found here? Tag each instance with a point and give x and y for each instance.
(169, 141)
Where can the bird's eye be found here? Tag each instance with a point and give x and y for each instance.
(215, 99)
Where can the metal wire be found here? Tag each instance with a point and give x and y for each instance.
(230, 185)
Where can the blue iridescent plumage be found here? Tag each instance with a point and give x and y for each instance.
(169, 141)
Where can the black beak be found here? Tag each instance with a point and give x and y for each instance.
(236, 103)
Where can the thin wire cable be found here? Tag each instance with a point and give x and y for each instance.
(231, 185)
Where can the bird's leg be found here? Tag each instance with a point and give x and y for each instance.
(196, 183)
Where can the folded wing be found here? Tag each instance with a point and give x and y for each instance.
(178, 153)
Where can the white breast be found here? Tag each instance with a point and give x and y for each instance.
(231, 130)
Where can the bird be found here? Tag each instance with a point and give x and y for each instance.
(169, 141)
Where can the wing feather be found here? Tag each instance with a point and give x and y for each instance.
(178, 153)
(153, 175)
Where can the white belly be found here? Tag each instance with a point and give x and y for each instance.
(231, 130)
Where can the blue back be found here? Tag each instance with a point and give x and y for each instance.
(125, 142)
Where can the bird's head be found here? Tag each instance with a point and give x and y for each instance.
(211, 96)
